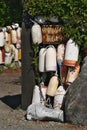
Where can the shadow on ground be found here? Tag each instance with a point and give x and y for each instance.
(12, 101)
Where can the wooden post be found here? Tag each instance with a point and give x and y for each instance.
(28, 78)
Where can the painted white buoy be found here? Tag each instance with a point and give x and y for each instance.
(36, 34)
(51, 62)
(71, 53)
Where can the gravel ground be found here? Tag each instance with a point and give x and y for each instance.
(12, 117)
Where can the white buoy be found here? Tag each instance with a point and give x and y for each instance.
(58, 99)
(13, 35)
(60, 52)
(2, 39)
(71, 53)
(37, 95)
(36, 34)
(8, 58)
(42, 60)
(18, 31)
(51, 62)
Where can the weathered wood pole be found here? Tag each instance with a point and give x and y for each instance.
(28, 78)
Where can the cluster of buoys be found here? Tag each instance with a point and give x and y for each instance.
(47, 59)
(50, 57)
(63, 61)
(65, 55)
(10, 45)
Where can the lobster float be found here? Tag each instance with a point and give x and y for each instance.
(60, 58)
(36, 33)
(51, 91)
(71, 53)
(52, 86)
(51, 62)
(5, 34)
(18, 31)
(39, 94)
(13, 34)
(42, 60)
(2, 38)
(60, 52)
(58, 99)
(72, 74)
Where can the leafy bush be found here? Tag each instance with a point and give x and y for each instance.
(15, 10)
(4, 13)
(10, 11)
(72, 13)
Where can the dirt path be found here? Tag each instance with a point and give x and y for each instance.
(12, 117)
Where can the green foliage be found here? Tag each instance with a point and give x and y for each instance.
(35, 62)
(1, 69)
(73, 13)
(15, 10)
(4, 13)
(10, 11)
